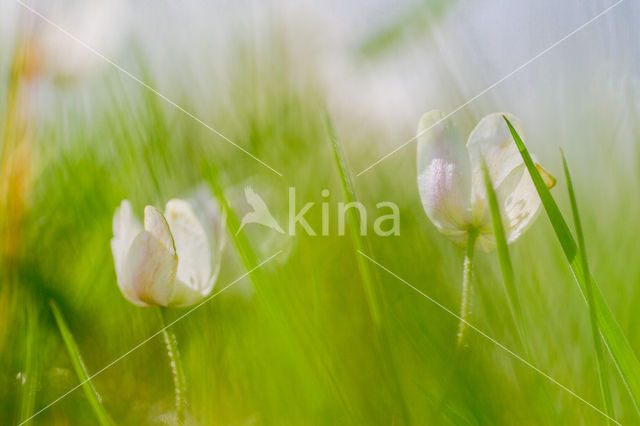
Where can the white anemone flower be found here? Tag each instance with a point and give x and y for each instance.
(451, 183)
(172, 261)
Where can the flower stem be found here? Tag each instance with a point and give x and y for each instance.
(472, 235)
(175, 362)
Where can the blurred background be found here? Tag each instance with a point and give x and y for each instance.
(295, 343)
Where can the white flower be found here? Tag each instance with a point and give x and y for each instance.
(451, 183)
(174, 260)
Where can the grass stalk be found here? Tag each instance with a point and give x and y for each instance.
(371, 290)
(595, 330)
(95, 401)
(615, 340)
(359, 243)
(504, 259)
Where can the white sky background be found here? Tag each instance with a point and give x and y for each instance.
(594, 74)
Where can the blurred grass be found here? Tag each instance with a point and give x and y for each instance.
(622, 354)
(593, 316)
(414, 19)
(368, 276)
(94, 399)
(506, 267)
(301, 348)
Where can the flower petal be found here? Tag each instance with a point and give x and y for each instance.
(519, 202)
(125, 229)
(444, 175)
(192, 246)
(492, 140)
(150, 271)
(151, 263)
(185, 295)
(213, 220)
(518, 199)
(157, 225)
(486, 241)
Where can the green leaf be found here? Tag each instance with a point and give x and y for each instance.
(602, 372)
(615, 340)
(504, 258)
(81, 370)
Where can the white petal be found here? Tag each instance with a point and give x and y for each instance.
(491, 140)
(486, 241)
(519, 205)
(125, 228)
(517, 197)
(444, 175)
(150, 270)
(192, 246)
(213, 220)
(158, 226)
(185, 295)
(519, 202)
(150, 267)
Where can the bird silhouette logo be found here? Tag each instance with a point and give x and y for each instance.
(260, 213)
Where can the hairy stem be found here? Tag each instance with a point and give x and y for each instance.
(175, 362)
(472, 235)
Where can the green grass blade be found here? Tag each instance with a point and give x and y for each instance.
(506, 267)
(615, 340)
(372, 292)
(81, 370)
(354, 225)
(602, 372)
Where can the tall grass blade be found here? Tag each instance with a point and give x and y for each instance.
(601, 366)
(614, 338)
(370, 285)
(506, 267)
(354, 221)
(81, 370)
